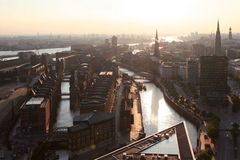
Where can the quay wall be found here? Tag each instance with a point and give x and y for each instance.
(180, 110)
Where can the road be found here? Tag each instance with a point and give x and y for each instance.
(224, 144)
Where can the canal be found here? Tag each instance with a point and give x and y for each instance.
(157, 114)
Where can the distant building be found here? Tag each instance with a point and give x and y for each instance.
(168, 70)
(233, 53)
(26, 56)
(156, 46)
(192, 72)
(107, 43)
(213, 78)
(182, 71)
(199, 50)
(94, 129)
(35, 116)
(34, 59)
(230, 34)
(114, 42)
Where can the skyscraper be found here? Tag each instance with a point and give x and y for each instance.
(218, 41)
(156, 46)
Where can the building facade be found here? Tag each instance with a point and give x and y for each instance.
(213, 78)
(192, 72)
(93, 129)
(35, 116)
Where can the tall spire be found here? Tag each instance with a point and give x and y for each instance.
(218, 41)
(156, 46)
(230, 34)
(156, 37)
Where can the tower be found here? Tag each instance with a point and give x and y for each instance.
(218, 41)
(156, 46)
(230, 34)
(114, 44)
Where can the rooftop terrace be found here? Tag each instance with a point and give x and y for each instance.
(171, 144)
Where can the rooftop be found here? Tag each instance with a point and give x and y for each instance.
(172, 143)
(35, 101)
(94, 117)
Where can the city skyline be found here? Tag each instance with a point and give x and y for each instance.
(117, 16)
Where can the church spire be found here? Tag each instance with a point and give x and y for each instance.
(230, 34)
(156, 37)
(218, 41)
(156, 46)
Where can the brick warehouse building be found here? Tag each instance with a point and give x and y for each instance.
(93, 128)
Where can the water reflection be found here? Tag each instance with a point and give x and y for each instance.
(157, 114)
(64, 113)
(64, 116)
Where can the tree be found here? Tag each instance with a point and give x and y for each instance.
(203, 155)
(213, 127)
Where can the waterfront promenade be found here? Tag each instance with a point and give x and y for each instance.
(137, 126)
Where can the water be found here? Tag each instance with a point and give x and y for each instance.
(157, 114)
(37, 51)
(64, 113)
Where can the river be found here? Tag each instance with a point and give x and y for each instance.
(37, 51)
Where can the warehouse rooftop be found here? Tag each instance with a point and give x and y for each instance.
(172, 143)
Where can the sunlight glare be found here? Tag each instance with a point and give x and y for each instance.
(167, 11)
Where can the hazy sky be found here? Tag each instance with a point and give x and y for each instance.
(117, 16)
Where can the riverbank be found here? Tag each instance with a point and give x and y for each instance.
(180, 110)
(137, 129)
(194, 119)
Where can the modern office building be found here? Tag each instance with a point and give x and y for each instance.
(213, 78)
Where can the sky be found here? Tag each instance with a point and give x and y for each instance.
(175, 17)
